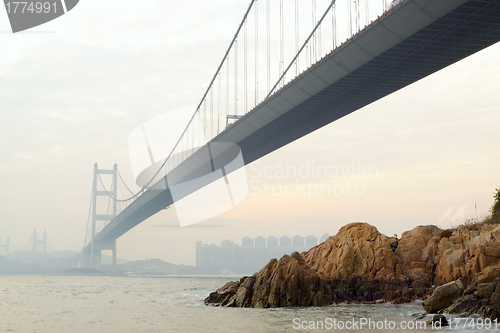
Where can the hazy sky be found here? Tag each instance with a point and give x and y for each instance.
(72, 90)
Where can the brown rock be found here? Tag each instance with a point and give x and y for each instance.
(289, 282)
(358, 250)
(443, 296)
(222, 295)
(463, 304)
(359, 264)
(488, 275)
(415, 256)
(467, 253)
(243, 295)
(481, 298)
(492, 252)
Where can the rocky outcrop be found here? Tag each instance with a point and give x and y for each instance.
(469, 253)
(480, 298)
(287, 282)
(360, 264)
(356, 265)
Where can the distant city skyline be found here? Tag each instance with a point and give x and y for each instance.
(251, 255)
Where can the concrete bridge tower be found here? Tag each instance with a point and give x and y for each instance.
(93, 259)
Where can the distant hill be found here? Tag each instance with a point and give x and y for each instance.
(8, 266)
(28, 256)
(160, 267)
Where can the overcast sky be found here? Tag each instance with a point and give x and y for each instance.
(72, 90)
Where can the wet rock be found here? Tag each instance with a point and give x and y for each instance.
(223, 295)
(438, 321)
(244, 294)
(481, 299)
(419, 316)
(443, 296)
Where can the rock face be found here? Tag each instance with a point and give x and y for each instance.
(358, 250)
(443, 296)
(289, 282)
(360, 264)
(416, 255)
(480, 298)
(469, 253)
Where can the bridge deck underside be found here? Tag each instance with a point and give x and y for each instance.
(462, 32)
(465, 30)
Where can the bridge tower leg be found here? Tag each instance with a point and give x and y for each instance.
(43, 241)
(95, 249)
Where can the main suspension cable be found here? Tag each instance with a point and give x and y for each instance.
(119, 174)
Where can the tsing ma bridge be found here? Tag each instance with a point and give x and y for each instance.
(276, 84)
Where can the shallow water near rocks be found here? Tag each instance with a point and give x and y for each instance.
(172, 304)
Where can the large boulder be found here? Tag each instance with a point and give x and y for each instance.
(358, 250)
(443, 296)
(416, 254)
(289, 282)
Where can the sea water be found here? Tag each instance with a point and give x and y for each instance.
(175, 304)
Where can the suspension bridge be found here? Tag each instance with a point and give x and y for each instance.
(291, 68)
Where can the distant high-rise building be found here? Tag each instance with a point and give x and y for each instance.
(324, 238)
(272, 241)
(298, 241)
(260, 242)
(311, 241)
(285, 241)
(247, 242)
(226, 243)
